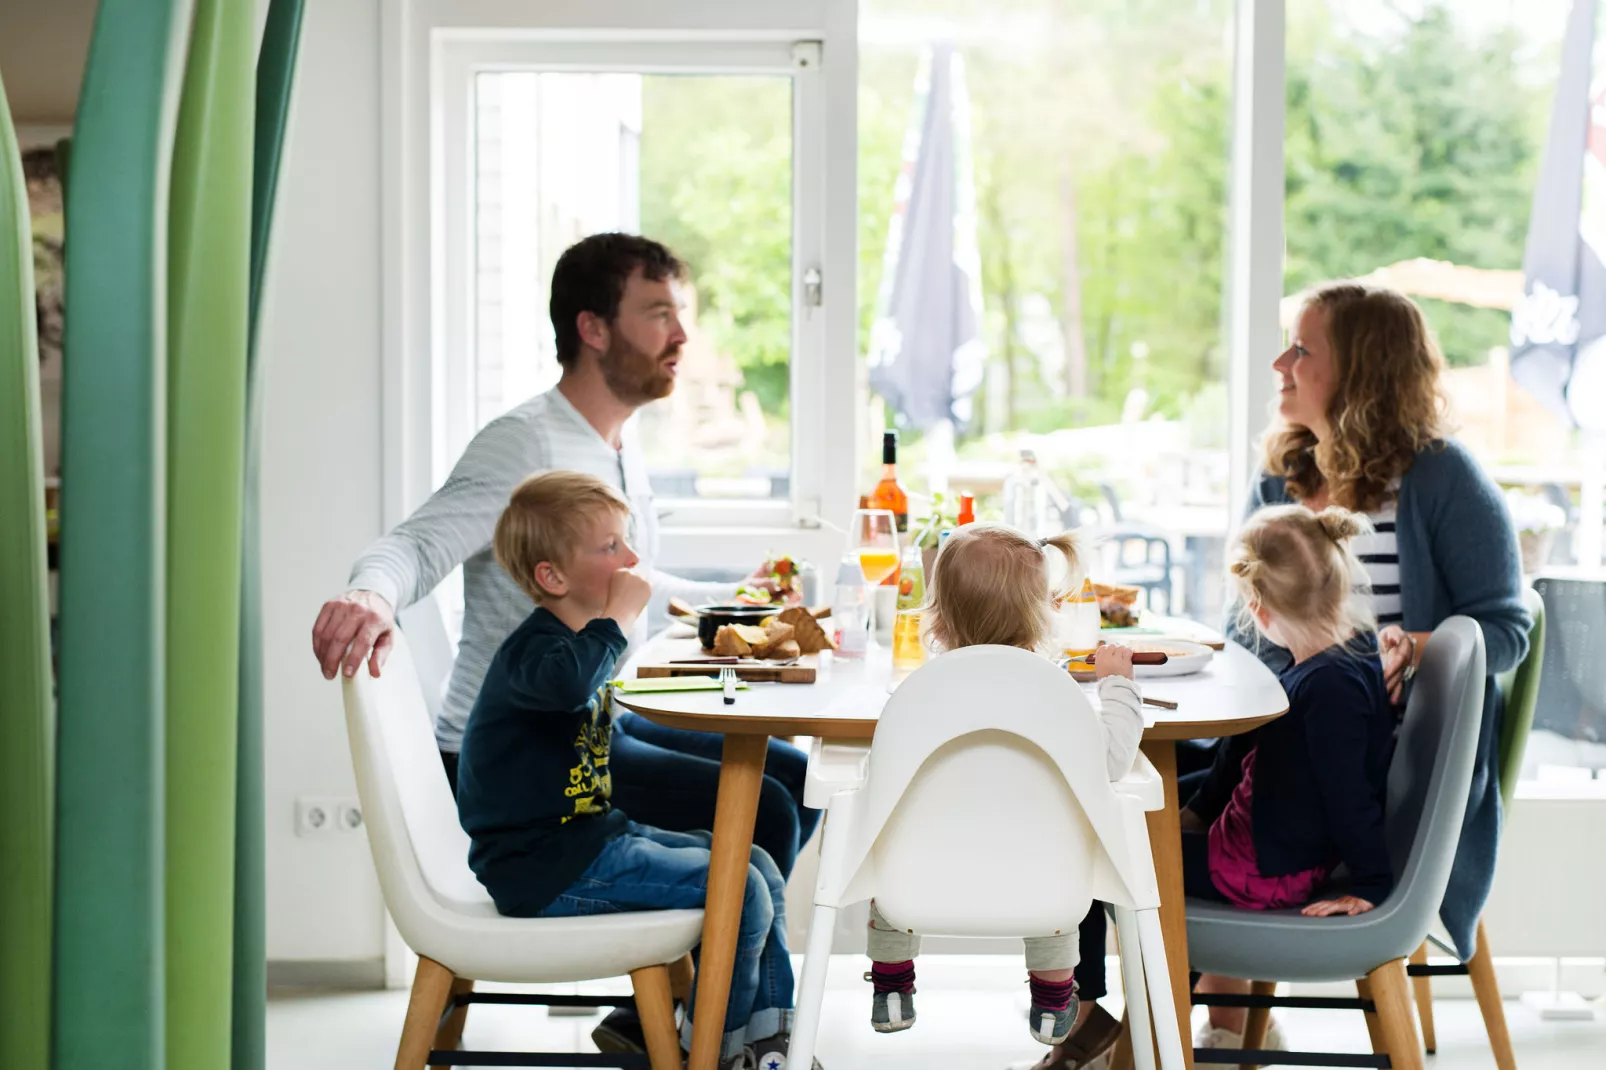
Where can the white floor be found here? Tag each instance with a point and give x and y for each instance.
(971, 1010)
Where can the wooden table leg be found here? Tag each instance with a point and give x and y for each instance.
(1165, 840)
(741, 775)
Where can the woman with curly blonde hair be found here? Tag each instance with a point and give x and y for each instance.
(1361, 424)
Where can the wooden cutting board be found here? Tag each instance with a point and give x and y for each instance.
(803, 671)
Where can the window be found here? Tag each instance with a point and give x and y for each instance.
(702, 163)
(1099, 148)
(1415, 137)
(514, 130)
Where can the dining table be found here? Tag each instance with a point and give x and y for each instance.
(1232, 694)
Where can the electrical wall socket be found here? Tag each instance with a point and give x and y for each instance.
(317, 815)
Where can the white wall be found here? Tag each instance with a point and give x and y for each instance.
(320, 469)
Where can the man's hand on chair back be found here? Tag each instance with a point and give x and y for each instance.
(357, 625)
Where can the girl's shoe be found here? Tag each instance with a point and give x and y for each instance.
(1211, 1036)
(1088, 1047)
(1051, 1026)
(891, 1012)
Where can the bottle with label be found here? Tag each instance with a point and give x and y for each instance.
(888, 494)
(907, 652)
(850, 610)
(1026, 497)
(967, 510)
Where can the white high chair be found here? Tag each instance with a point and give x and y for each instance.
(984, 809)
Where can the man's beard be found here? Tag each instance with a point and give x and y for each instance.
(633, 376)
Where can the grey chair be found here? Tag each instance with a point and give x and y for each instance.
(1429, 779)
(1519, 688)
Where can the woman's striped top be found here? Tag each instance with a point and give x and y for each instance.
(1380, 556)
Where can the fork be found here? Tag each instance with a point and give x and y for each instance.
(727, 681)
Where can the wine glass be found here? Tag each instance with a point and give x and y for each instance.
(873, 537)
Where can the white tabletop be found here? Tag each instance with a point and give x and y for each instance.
(1233, 694)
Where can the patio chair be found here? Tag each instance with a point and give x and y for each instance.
(1142, 554)
(917, 826)
(1428, 781)
(447, 917)
(1519, 688)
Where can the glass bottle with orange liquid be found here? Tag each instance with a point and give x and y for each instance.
(888, 494)
(907, 652)
(967, 510)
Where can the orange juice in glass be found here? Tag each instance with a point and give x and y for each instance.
(873, 538)
(907, 652)
(878, 565)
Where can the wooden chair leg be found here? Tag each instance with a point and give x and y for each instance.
(1488, 992)
(657, 1009)
(682, 975)
(451, 1031)
(1395, 1018)
(431, 985)
(1121, 1054)
(1423, 987)
(1363, 989)
(1258, 1021)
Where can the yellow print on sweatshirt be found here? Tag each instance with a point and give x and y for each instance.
(590, 782)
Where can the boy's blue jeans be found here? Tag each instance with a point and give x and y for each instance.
(652, 869)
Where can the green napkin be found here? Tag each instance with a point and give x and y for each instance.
(673, 683)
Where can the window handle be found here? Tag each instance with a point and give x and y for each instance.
(812, 283)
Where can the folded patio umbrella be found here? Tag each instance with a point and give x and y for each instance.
(1558, 328)
(926, 347)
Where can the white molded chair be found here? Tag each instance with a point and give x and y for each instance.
(447, 917)
(984, 809)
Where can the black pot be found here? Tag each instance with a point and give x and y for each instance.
(711, 618)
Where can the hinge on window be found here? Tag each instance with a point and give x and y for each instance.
(812, 281)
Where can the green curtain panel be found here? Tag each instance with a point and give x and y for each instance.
(209, 228)
(27, 713)
(274, 78)
(109, 1001)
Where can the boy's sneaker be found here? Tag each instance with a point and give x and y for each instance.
(620, 1033)
(770, 1053)
(742, 1060)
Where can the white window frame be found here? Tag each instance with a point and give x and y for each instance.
(433, 48)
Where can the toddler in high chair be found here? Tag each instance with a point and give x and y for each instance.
(990, 585)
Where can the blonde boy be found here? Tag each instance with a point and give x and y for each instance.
(534, 792)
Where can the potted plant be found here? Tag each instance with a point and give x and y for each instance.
(944, 515)
(1537, 520)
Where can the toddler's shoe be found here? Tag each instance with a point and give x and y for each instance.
(1210, 1036)
(892, 1009)
(1053, 1010)
(892, 1012)
(1050, 1026)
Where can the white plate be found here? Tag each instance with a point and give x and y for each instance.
(680, 630)
(1186, 658)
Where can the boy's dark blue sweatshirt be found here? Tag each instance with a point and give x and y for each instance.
(1321, 773)
(533, 782)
